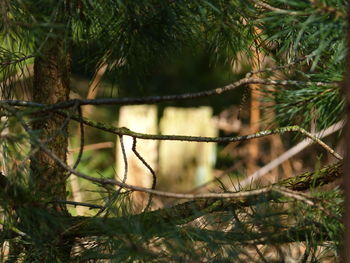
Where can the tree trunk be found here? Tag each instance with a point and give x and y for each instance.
(48, 179)
(51, 85)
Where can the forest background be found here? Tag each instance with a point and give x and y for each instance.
(281, 64)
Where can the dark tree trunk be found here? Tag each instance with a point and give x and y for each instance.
(48, 179)
(51, 85)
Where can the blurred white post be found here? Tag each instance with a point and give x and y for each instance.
(141, 119)
(185, 165)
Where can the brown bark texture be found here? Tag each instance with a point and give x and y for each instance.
(51, 85)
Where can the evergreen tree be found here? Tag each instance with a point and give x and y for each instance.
(306, 41)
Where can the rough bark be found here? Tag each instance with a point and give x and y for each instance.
(48, 180)
(51, 85)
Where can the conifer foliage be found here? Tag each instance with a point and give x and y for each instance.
(44, 41)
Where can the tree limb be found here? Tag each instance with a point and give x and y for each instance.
(166, 98)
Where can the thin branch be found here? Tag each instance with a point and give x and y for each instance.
(81, 148)
(91, 206)
(6, 63)
(125, 158)
(102, 181)
(282, 130)
(275, 9)
(314, 179)
(238, 195)
(125, 176)
(154, 177)
(158, 99)
(294, 195)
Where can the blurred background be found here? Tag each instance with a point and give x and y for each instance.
(184, 166)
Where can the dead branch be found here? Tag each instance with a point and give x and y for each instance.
(126, 131)
(158, 99)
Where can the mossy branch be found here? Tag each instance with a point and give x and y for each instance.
(188, 211)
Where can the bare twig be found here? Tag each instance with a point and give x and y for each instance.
(157, 99)
(295, 195)
(91, 206)
(282, 130)
(81, 148)
(154, 177)
(237, 195)
(125, 176)
(103, 181)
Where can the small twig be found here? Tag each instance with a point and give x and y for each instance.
(125, 158)
(91, 206)
(275, 9)
(303, 197)
(6, 63)
(154, 177)
(295, 195)
(82, 135)
(239, 195)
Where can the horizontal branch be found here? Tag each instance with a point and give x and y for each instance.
(167, 98)
(91, 206)
(102, 181)
(278, 10)
(274, 236)
(144, 136)
(312, 179)
(188, 211)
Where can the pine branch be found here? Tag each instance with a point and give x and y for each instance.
(128, 132)
(318, 178)
(189, 211)
(158, 99)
